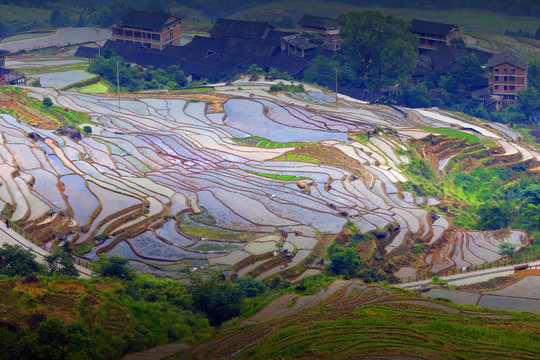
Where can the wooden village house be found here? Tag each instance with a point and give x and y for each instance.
(150, 30)
(433, 35)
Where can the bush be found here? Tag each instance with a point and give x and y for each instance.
(250, 287)
(16, 261)
(506, 248)
(114, 267)
(47, 102)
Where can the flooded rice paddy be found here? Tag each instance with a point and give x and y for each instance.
(162, 181)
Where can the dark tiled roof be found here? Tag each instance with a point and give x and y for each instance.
(318, 22)
(483, 56)
(275, 35)
(428, 27)
(239, 28)
(445, 57)
(480, 92)
(422, 68)
(506, 57)
(148, 20)
(86, 52)
(299, 41)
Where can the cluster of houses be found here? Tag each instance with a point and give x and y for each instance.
(507, 74)
(150, 39)
(153, 39)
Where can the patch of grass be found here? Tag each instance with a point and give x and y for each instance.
(471, 139)
(96, 88)
(278, 176)
(195, 229)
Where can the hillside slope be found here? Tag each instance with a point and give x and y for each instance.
(352, 320)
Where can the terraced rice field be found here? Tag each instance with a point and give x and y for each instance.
(157, 158)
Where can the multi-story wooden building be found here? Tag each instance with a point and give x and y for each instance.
(433, 35)
(150, 30)
(327, 29)
(507, 76)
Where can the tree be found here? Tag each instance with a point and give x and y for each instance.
(494, 216)
(81, 22)
(61, 263)
(87, 129)
(219, 302)
(16, 261)
(114, 266)
(458, 43)
(170, 291)
(278, 283)
(379, 48)
(345, 261)
(529, 100)
(467, 71)
(506, 248)
(47, 102)
(59, 341)
(254, 69)
(3, 30)
(59, 18)
(250, 287)
(533, 72)
(321, 71)
(416, 97)
(530, 215)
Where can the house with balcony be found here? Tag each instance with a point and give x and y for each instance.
(433, 35)
(149, 30)
(326, 29)
(507, 76)
(9, 76)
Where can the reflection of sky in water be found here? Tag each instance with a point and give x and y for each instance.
(248, 116)
(80, 198)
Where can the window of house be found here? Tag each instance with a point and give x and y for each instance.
(505, 69)
(156, 37)
(496, 78)
(505, 87)
(512, 88)
(496, 70)
(496, 87)
(512, 78)
(506, 78)
(513, 70)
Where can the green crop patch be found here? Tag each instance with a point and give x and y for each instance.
(471, 139)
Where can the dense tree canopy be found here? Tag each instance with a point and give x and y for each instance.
(380, 48)
(16, 261)
(135, 78)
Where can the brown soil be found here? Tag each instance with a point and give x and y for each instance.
(523, 273)
(67, 287)
(25, 112)
(329, 156)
